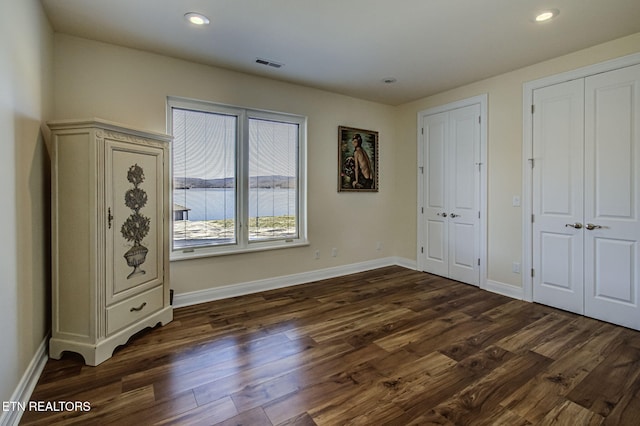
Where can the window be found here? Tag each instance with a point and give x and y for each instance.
(238, 179)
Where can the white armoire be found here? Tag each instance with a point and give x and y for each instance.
(110, 216)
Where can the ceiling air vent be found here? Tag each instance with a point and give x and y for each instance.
(268, 63)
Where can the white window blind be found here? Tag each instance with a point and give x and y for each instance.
(273, 179)
(238, 179)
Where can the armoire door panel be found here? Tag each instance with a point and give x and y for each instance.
(132, 197)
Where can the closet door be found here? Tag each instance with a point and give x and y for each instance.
(558, 147)
(452, 193)
(612, 189)
(463, 189)
(586, 188)
(436, 250)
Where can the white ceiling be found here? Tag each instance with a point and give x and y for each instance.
(349, 46)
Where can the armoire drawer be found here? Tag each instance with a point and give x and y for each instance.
(134, 309)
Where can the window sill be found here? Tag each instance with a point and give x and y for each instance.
(197, 253)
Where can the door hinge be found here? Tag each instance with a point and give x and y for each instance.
(532, 273)
(479, 119)
(422, 130)
(478, 215)
(478, 261)
(421, 249)
(533, 218)
(533, 108)
(531, 160)
(422, 210)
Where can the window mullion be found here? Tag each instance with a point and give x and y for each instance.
(243, 180)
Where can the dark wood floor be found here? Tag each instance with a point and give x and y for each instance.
(390, 346)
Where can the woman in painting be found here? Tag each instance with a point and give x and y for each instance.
(363, 173)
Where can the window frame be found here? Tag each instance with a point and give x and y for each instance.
(243, 244)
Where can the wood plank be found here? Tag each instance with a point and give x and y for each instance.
(603, 388)
(569, 413)
(253, 417)
(549, 388)
(436, 389)
(475, 342)
(483, 396)
(419, 331)
(321, 381)
(533, 334)
(389, 346)
(209, 414)
(627, 410)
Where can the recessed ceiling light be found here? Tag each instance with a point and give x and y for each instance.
(547, 15)
(196, 18)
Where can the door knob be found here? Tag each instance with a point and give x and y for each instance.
(442, 214)
(591, 226)
(454, 215)
(576, 225)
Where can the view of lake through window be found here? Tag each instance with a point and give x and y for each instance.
(215, 191)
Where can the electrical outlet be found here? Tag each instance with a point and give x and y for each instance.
(317, 255)
(334, 252)
(378, 246)
(515, 267)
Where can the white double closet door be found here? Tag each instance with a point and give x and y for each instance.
(585, 196)
(451, 194)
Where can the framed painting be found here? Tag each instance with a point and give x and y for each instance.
(357, 160)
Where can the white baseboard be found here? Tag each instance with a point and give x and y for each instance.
(27, 384)
(241, 289)
(406, 263)
(504, 289)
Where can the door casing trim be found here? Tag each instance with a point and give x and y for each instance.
(527, 152)
(482, 100)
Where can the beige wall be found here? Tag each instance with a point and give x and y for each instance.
(504, 150)
(26, 47)
(129, 86)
